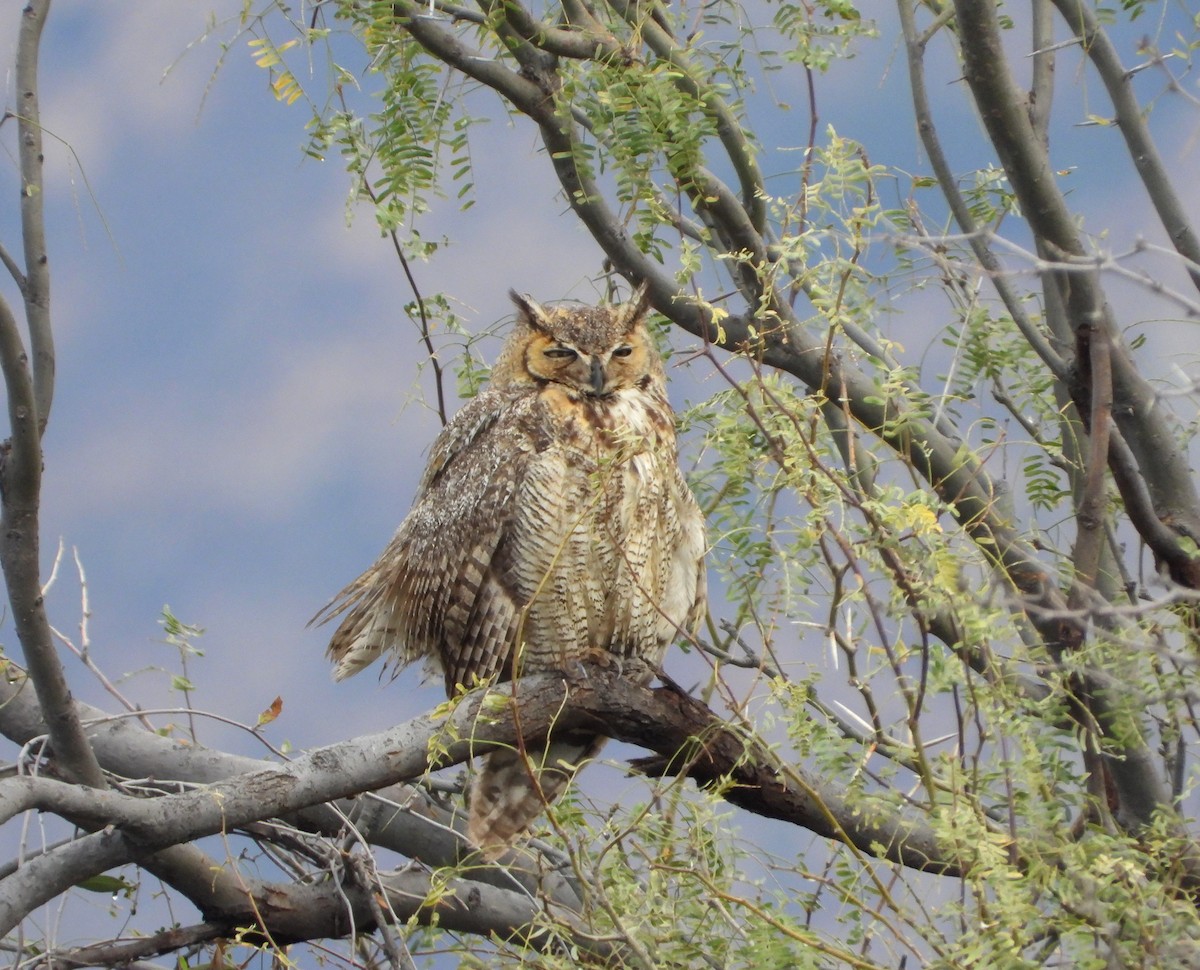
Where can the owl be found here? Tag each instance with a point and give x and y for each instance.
(552, 525)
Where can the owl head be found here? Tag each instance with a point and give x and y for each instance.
(593, 351)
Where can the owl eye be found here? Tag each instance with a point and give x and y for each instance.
(559, 353)
(623, 351)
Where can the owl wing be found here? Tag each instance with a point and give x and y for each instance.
(437, 590)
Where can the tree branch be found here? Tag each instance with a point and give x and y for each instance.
(288, 913)
(1041, 88)
(1144, 425)
(1131, 123)
(29, 396)
(1096, 369)
(33, 226)
(579, 41)
(691, 80)
(948, 184)
(663, 720)
(402, 818)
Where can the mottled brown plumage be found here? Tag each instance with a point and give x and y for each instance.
(551, 522)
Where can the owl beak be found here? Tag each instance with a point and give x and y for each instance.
(598, 377)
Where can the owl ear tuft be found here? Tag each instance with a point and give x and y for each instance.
(529, 310)
(638, 304)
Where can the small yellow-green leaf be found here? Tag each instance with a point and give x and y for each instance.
(272, 712)
(106, 884)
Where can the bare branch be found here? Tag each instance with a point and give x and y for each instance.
(1131, 122)
(29, 397)
(14, 270)
(579, 41)
(33, 227)
(1041, 90)
(1093, 355)
(123, 952)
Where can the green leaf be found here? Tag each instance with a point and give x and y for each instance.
(109, 885)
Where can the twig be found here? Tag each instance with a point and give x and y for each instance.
(189, 712)
(423, 327)
(397, 953)
(82, 652)
(121, 953)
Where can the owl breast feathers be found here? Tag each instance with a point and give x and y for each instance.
(552, 522)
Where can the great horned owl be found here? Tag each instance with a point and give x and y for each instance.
(552, 522)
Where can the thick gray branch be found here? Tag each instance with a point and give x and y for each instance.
(662, 720)
(298, 912)
(402, 818)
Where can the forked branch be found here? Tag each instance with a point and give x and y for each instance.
(29, 391)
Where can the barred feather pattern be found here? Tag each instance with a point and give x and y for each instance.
(551, 523)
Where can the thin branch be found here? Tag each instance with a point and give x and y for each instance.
(14, 270)
(948, 184)
(691, 80)
(23, 451)
(33, 226)
(1131, 123)
(423, 326)
(119, 953)
(578, 42)
(447, 47)
(1041, 90)
(1093, 352)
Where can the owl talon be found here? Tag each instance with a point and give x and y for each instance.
(605, 659)
(575, 672)
(614, 663)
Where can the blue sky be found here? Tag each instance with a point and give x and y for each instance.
(239, 423)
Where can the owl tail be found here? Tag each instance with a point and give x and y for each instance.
(514, 788)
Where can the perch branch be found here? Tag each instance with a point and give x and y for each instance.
(662, 720)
